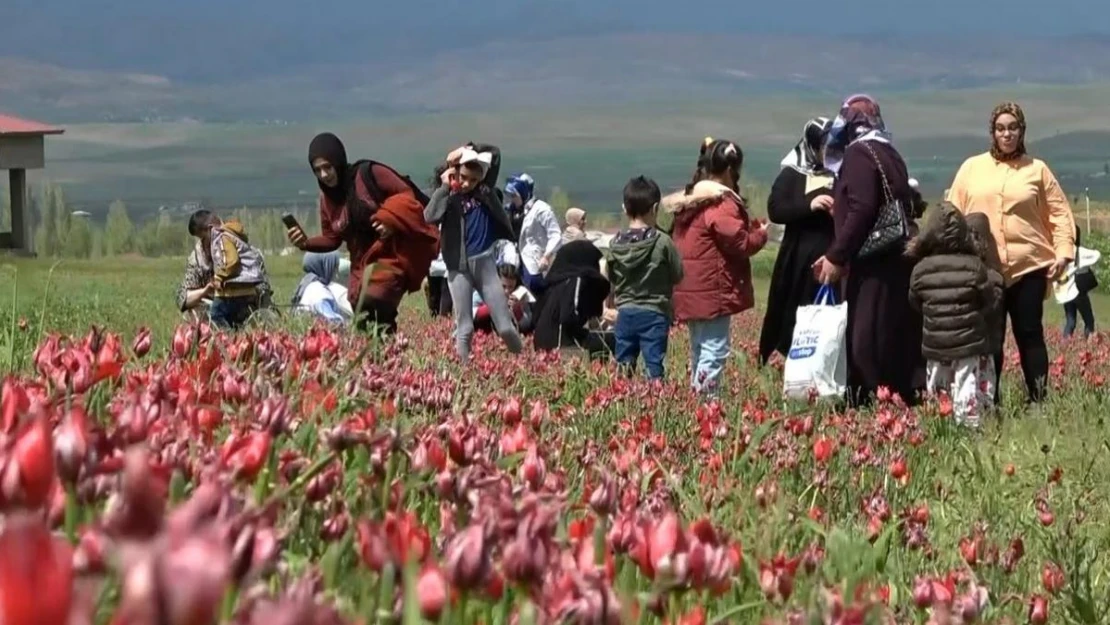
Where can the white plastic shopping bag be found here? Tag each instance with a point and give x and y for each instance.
(817, 364)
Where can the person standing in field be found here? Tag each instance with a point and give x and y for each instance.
(540, 233)
(952, 288)
(801, 200)
(1034, 229)
(1085, 282)
(472, 220)
(884, 331)
(378, 214)
(194, 294)
(644, 268)
(715, 239)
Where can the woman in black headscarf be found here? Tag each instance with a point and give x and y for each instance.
(575, 296)
(801, 199)
(379, 215)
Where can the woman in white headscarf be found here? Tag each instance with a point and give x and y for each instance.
(801, 200)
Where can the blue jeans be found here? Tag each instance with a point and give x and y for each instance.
(231, 312)
(642, 331)
(1073, 309)
(709, 349)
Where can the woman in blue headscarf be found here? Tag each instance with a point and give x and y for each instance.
(318, 292)
(540, 232)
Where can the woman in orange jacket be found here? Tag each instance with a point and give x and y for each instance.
(1033, 227)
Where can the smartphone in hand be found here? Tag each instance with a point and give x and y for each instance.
(290, 221)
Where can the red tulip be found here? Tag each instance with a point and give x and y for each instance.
(664, 541)
(71, 444)
(969, 550)
(13, 404)
(141, 345)
(1052, 577)
(823, 449)
(36, 575)
(1038, 610)
(898, 469)
(511, 412)
(247, 455)
(184, 338)
(29, 474)
(532, 470)
(431, 593)
(467, 560)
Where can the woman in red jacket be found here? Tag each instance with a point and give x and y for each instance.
(378, 214)
(715, 238)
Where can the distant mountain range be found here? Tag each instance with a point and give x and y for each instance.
(571, 71)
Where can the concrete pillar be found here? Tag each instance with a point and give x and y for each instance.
(17, 186)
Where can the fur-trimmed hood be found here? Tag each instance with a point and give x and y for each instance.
(680, 206)
(704, 193)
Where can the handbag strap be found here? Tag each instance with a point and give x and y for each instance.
(882, 173)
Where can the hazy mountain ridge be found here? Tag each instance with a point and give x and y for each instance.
(599, 69)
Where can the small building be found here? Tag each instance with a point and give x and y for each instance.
(22, 144)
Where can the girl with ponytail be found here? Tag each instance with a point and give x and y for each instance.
(715, 238)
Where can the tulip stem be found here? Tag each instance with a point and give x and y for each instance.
(302, 479)
(72, 510)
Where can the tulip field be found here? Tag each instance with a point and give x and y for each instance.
(155, 472)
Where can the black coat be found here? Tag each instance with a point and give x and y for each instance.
(575, 293)
(807, 236)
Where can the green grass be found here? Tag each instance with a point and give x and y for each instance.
(128, 293)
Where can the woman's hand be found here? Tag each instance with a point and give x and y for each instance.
(826, 272)
(1058, 268)
(382, 229)
(297, 237)
(822, 203)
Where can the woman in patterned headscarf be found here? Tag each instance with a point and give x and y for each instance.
(884, 332)
(1033, 229)
(801, 200)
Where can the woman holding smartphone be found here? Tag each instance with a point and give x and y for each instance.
(379, 214)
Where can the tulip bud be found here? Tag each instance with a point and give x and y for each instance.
(141, 345)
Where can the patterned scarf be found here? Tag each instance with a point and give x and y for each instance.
(805, 158)
(1008, 108)
(859, 120)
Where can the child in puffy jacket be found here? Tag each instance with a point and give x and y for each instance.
(959, 296)
(716, 239)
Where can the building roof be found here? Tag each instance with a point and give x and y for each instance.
(21, 127)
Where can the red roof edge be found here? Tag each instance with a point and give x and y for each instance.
(15, 126)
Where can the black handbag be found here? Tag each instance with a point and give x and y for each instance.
(891, 225)
(1086, 281)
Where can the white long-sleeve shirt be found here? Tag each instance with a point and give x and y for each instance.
(540, 234)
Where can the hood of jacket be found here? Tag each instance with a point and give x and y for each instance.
(633, 253)
(704, 193)
(236, 228)
(945, 232)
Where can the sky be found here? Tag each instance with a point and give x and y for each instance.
(222, 40)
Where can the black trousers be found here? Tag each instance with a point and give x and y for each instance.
(1024, 305)
(377, 315)
(438, 296)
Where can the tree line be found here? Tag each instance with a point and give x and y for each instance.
(59, 233)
